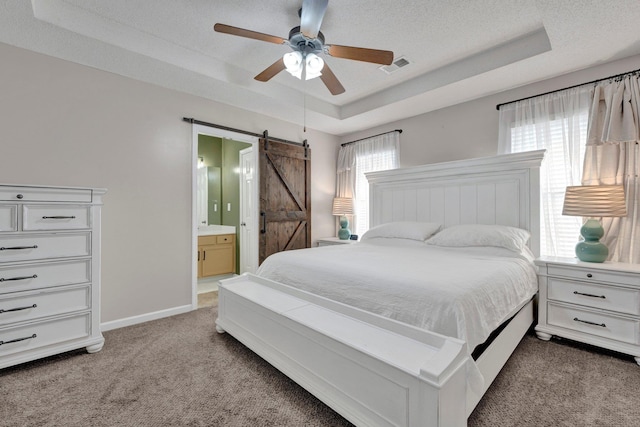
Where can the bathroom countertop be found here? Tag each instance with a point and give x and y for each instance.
(211, 230)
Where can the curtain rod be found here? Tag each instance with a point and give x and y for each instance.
(571, 87)
(372, 136)
(259, 135)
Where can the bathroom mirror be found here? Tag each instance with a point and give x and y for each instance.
(218, 189)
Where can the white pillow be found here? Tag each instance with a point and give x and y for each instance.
(403, 230)
(482, 235)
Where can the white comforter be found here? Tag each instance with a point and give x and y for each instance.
(458, 292)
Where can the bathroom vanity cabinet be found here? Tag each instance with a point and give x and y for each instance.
(216, 255)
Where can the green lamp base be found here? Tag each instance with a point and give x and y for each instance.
(591, 250)
(344, 233)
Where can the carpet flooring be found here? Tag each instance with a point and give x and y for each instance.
(179, 372)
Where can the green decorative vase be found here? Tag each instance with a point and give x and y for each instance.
(591, 250)
(344, 233)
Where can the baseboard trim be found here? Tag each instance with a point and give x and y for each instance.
(134, 320)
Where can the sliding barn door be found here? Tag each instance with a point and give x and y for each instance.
(285, 197)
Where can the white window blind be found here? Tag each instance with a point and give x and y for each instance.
(564, 139)
(369, 162)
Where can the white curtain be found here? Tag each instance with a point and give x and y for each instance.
(377, 153)
(345, 179)
(612, 157)
(556, 122)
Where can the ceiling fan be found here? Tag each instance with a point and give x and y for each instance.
(307, 43)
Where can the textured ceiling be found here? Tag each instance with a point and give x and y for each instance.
(458, 49)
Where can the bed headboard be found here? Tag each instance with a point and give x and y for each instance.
(502, 190)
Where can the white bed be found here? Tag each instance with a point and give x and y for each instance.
(395, 366)
(460, 292)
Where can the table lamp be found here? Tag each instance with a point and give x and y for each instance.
(594, 201)
(343, 206)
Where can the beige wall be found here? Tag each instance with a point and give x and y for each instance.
(66, 124)
(470, 129)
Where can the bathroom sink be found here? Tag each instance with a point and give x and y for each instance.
(210, 230)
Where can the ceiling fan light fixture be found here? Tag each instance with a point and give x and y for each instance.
(293, 63)
(306, 41)
(313, 66)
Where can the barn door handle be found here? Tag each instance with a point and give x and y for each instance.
(264, 222)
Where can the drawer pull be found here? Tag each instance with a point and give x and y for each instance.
(59, 217)
(590, 323)
(2, 279)
(589, 295)
(17, 248)
(18, 339)
(589, 275)
(18, 308)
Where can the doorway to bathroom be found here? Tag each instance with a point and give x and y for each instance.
(224, 208)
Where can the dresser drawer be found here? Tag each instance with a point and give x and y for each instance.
(27, 277)
(623, 300)
(45, 194)
(52, 217)
(33, 305)
(45, 333)
(8, 218)
(29, 247)
(593, 275)
(603, 325)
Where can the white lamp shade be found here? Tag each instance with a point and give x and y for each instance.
(343, 206)
(595, 201)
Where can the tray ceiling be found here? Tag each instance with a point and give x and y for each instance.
(458, 50)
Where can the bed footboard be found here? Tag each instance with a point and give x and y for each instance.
(372, 370)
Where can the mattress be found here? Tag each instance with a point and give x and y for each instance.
(463, 293)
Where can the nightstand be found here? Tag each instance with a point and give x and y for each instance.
(328, 241)
(598, 304)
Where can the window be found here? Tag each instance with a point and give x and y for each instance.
(377, 153)
(369, 162)
(557, 123)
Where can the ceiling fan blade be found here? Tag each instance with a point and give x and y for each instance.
(235, 31)
(311, 18)
(376, 56)
(271, 71)
(331, 81)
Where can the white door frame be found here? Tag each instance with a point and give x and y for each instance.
(218, 133)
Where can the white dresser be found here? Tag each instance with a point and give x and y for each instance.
(49, 271)
(594, 303)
